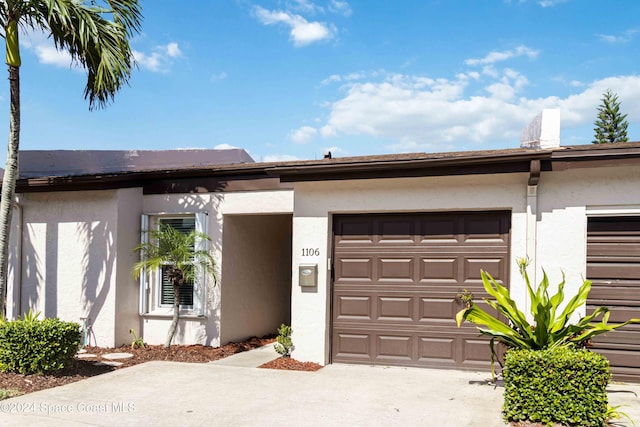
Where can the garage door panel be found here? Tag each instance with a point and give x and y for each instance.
(621, 290)
(618, 270)
(600, 250)
(353, 307)
(439, 270)
(349, 269)
(408, 279)
(622, 339)
(396, 230)
(396, 269)
(613, 263)
(397, 309)
(476, 350)
(437, 349)
(356, 346)
(439, 230)
(397, 348)
(485, 230)
(438, 310)
(617, 314)
(354, 231)
(495, 266)
(620, 358)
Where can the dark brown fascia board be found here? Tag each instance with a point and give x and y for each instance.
(619, 154)
(133, 179)
(458, 165)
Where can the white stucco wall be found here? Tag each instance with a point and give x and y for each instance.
(68, 256)
(129, 205)
(316, 201)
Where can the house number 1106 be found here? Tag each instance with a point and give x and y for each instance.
(310, 251)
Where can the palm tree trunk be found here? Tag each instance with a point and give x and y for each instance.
(176, 314)
(9, 182)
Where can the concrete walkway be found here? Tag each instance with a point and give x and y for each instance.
(250, 359)
(217, 394)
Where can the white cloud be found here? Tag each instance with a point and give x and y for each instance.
(173, 50)
(435, 114)
(341, 7)
(50, 55)
(349, 77)
(218, 76)
(625, 37)
(303, 134)
(499, 56)
(305, 6)
(224, 147)
(45, 50)
(328, 131)
(550, 3)
(160, 59)
(279, 158)
(302, 32)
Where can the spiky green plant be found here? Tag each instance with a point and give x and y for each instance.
(551, 326)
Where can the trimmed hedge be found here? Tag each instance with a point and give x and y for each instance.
(37, 346)
(562, 385)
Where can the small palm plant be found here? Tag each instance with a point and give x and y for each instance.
(177, 252)
(551, 325)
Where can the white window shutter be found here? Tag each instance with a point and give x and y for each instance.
(200, 280)
(143, 306)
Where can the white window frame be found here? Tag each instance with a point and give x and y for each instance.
(199, 286)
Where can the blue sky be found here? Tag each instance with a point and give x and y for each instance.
(290, 79)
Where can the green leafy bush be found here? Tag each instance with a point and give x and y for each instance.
(284, 345)
(37, 346)
(559, 385)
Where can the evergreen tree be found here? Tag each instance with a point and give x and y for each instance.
(611, 126)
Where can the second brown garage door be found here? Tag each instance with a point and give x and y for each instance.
(396, 277)
(613, 264)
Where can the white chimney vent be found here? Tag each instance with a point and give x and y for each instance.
(543, 132)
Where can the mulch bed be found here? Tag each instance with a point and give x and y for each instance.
(290, 364)
(84, 368)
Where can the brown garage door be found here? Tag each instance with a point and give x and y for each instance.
(613, 264)
(395, 281)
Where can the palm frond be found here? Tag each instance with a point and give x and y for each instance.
(100, 45)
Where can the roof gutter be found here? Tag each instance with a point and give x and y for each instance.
(458, 165)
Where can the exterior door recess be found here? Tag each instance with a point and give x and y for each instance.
(395, 281)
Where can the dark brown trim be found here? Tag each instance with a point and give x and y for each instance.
(212, 185)
(159, 182)
(512, 163)
(534, 172)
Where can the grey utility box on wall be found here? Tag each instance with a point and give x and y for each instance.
(308, 274)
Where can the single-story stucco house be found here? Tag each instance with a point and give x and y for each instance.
(362, 256)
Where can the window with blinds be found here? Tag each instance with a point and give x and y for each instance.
(185, 225)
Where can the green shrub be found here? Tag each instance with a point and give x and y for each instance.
(37, 346)
(562, 385)
(284, 346)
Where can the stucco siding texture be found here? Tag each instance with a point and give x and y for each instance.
(69, 246)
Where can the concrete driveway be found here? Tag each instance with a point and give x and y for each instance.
(171, 393)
